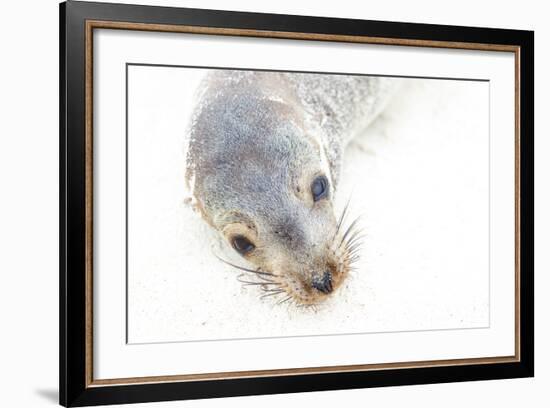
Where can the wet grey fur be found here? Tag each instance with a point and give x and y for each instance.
(252, 132)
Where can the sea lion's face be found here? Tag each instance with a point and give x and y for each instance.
(262, 180)
(294, 245)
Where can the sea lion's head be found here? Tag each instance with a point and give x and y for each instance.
(261, 179)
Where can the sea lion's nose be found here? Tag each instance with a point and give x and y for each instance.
(323, 283)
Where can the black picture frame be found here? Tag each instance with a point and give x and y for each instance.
(75, 390)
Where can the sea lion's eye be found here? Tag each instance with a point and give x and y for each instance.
(242, 245)
(319, 188)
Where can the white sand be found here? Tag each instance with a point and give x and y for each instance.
(419, 176)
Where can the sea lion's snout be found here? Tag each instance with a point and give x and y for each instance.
(323, 283)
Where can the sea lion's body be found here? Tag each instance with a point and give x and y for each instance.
(261, 146)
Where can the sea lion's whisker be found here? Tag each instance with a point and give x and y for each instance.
(355, 246)
(357, 236)
(247, 283)
(354, 256)
(305, 306)
(273, 290)
(271, 294)
(263, 280)
(259, 284)
(350, 254)
(356, 243)
(350, 229)
(353, 253)
(352, 232)
(341, 219)
(242, 268)
(352, 261)
(284, 300)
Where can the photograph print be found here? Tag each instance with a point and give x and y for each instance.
(272, 204)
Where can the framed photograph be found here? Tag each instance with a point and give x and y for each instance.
(256, 203)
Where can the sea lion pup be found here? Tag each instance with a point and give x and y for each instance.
(263, 162)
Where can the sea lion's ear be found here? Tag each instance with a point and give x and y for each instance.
(192, 203)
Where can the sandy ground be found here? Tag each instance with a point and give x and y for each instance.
(419, 177)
